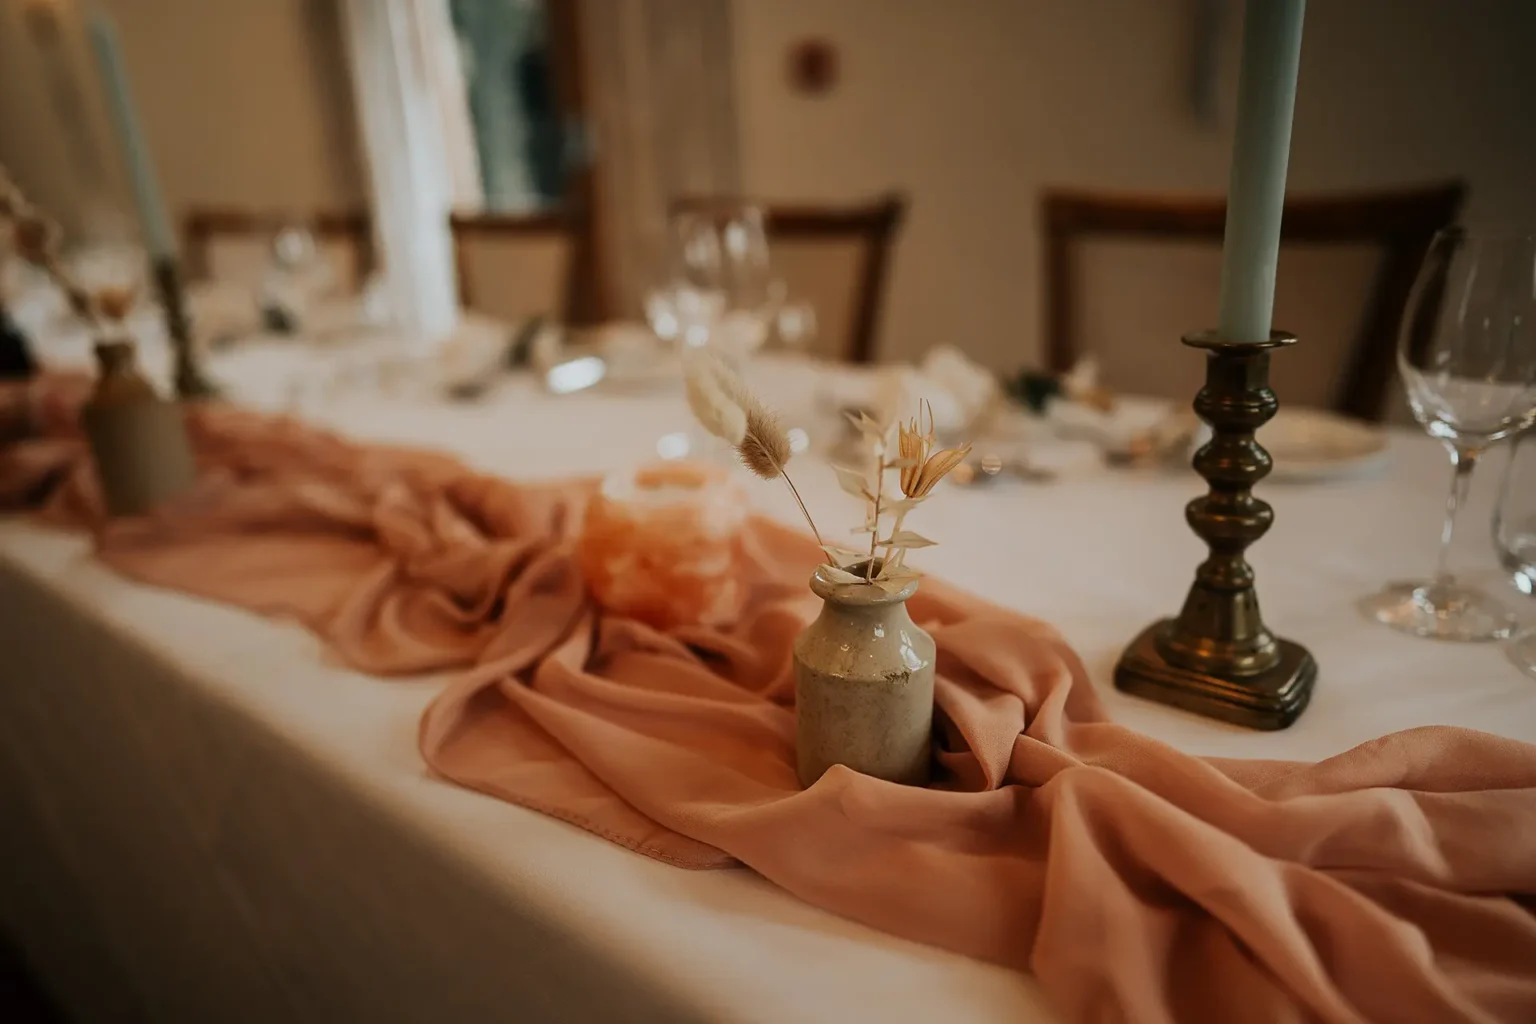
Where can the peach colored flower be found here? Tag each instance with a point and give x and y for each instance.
(920, 471)
(933, 470)
(912, 452)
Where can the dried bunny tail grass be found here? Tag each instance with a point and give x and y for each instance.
(715, 410)
(762, 444)
(765, 450)
(724, 407)
(765, 447)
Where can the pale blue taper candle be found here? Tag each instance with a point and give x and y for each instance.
(1266, 98)
(159, 238)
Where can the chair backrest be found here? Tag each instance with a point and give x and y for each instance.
(1127, 275)
(515, 266)
(837, 260)
(235, 245)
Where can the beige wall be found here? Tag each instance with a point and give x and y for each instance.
(245, 103)
(971, 106)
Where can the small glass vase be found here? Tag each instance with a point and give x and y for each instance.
(864, 685)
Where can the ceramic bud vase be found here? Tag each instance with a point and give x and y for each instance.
(864, 685)
(138, 440)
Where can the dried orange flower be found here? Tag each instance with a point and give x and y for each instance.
(911, 452)
(935, 469)
(920, 471)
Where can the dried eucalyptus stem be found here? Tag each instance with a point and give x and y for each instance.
(921, 470)
(880, 467)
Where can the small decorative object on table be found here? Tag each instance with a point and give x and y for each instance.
(863, 669)
(138, 440)
(864, 681)
(1036, 391)
(1218, 658)
(659, 544)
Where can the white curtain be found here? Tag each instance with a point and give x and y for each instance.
(396, 49)
(445, 77)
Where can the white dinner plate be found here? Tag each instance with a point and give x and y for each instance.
(1312, 444)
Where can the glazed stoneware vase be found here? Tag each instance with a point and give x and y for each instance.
(864, 685)
(138, 439)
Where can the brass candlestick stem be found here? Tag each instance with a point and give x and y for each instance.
(189, 380)
(1218, 658)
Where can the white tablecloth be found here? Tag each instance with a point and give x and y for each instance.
(207, 821)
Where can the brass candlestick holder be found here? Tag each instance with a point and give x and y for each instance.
(1217, 658)
(189, 380)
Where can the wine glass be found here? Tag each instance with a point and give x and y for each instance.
(1514, 533)
(1467, 354)
(720, 287)
(296, 276)
(794, 323)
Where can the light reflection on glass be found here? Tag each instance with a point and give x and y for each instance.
(575, 375)
(673, 446)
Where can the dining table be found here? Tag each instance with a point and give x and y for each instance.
(209, 818)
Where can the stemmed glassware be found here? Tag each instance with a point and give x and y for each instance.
(296, 276)
(719, 290)
(1467, 354)
(1514, 534)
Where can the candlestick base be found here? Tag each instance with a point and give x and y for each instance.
(188, 375)
(1272, 699)
(1217, 658)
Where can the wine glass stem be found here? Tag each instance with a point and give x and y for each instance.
(1463, 461)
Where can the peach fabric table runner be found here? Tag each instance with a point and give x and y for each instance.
(1116, 812)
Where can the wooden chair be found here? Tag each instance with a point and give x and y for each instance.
(837, 260)
(235, 245)
(515, 266)
(1347, 263)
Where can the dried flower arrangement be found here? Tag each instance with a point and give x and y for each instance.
(727, 409)
(35, 237)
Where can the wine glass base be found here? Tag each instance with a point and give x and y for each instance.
(1441, 612)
